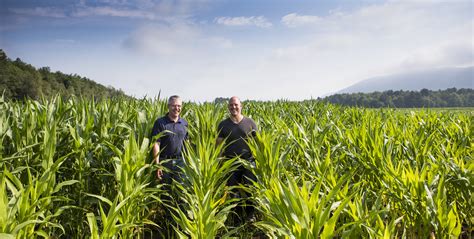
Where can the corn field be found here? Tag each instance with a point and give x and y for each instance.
(80, 168)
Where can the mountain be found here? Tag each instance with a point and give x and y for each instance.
(434, 79)
(19, 80)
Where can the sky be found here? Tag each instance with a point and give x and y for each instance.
(254, 49)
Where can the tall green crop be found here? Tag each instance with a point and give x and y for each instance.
(81, 168)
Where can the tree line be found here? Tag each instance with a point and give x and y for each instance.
(19, 81)
(450, 97)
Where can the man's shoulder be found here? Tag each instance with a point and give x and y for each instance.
(249, 123)
(161, 120)
(158, 126)
(183, 121)
(248, 120)
(224, 122)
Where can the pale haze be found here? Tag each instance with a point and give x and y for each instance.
(260, 50)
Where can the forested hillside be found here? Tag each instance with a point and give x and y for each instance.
(20, 80)
(402, 99)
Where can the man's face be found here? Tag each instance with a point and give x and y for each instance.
(174, 107)
(235, 107)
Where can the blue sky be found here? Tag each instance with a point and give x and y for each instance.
(263, 50)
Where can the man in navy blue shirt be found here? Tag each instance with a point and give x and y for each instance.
(171, 143)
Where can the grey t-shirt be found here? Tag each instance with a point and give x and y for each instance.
(235, 136)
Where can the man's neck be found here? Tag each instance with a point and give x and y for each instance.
(174, 119)
(236, 119)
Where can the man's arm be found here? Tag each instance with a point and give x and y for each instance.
(254, 125)
(253, 129)
(219, 141)
(156, 158)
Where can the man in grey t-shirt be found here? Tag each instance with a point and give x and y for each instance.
(234, 131)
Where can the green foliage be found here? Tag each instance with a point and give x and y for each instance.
(19, 81)
(451, 97)
(81, 168)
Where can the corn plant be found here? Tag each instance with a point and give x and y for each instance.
(296, 211)
(128, 213)
(374, 172)
(202, 206)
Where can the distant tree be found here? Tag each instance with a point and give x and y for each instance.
(19, 80)
(424, 92)
(425, 98)
(3, 56)
(221, 100)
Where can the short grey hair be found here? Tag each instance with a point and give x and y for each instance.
(173, 98)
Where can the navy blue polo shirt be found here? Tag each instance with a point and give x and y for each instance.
(171, 143)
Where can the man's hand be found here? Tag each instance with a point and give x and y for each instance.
(156, 151)
(159, 173)
(219, 141)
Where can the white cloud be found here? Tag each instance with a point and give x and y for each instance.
(163, 39)
(175, 40)
(295, 20)
(221, 42)
(40, 12)
(138, 9)
(304, 61)
(443, 55)
(259, 21)
(376, 40)
(113, 12)
(306, 55)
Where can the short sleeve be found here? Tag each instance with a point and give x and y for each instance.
(254, 130)
(220, 129)
(157, 128)
(186, 137)
(254, 126)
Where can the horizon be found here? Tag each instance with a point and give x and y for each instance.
(265, 50)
